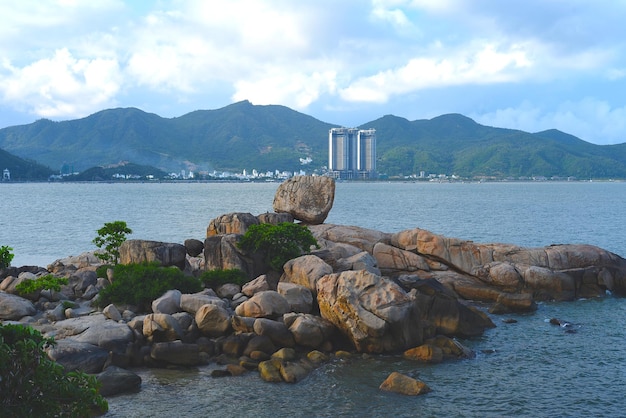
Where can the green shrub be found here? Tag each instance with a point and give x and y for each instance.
(6, 256)
(32, 385)
(44, 282)
(101, 271)
(279, 243)
(140, 284)
(216, 278)
(111, 236)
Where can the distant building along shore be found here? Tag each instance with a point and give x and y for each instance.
(352, 153)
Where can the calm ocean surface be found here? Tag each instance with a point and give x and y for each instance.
(535, 369)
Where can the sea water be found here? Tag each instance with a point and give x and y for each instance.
(527, 368)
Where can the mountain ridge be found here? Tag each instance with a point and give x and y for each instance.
(269, 137)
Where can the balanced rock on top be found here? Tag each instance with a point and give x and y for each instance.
(307, 198)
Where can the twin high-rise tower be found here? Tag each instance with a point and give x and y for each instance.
(352, 153)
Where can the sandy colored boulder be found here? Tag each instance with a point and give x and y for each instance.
(375, 313)
(405, 385)
(307, 198)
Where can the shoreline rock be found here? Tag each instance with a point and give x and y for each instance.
(408, 293)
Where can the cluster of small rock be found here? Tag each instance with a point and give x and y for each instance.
(362, 291)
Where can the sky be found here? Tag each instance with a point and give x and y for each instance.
(522, 64)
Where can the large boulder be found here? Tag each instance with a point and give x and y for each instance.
(307, 198)
(13, 307)
(162, 327)
(555, 272)
(168, 303)
(191, 302)
(97, 330)
(309, 330)
(375, 313)
(213, 320)
(231, 223)
(166, 254)
(75, 355)
(267, 304)
(222, 252)
(114, 380)
(305, 271)
(299, 297)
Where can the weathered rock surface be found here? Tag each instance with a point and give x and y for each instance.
(298, 297)
(231, 223)
(222, 252)
(305, 271)
(403, 384)
(376, 314)
(556, 272)
(307, 198)
(74, 355)
(13, 307)
(213, 320)
(168, 303)
(139, 251)
(267, 304)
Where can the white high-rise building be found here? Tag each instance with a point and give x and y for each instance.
(352, 153)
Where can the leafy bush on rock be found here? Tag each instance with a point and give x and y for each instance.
(32, 385)
(44, 282)
(6, 256)
(280, 243)
(140, 284)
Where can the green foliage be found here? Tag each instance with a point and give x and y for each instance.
(44, 282)
(111, 236)
(101, 271)
(5, 256)
(280, 243)
(32, 385)
(215, 278)
(140, 284)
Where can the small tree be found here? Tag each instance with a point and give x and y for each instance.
(111, 236)
(280, 243)
(5, 256)
(32, 385)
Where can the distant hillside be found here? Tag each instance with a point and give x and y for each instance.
(21, 169)
(455, 144)
(232, 138)
(245, 136)
(122, 171)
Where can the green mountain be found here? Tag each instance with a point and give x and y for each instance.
(236, 137)
(21, 169)
(244, 136)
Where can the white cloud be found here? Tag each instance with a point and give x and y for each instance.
(589, 119)
(62, 85)
(295, 90)
(486, 65)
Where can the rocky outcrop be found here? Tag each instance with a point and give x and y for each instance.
(307, 198)
(222, 252)
(166, 254)
(556, 272)
(375, 313)
(231, 223)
